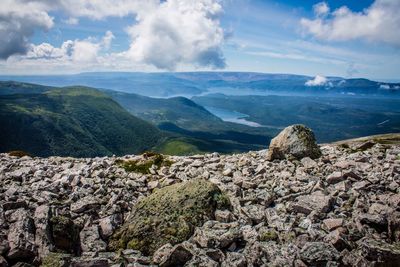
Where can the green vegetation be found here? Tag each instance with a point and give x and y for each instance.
(18, 153)
(169, 215)
(178, 147)
(193, 129)
(71, 121)
(143, 166)
(330, 118)
(269, 235)
(56, 260)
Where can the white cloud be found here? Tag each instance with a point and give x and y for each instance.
(165, 34)
(380, 22)
(71, 21)
(78, 51)
(321, 9)
(18, 22)
(179, 32)
(318, 80)
(384, 86)
(107, 39)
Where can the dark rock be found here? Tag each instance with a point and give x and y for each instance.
(65, 234)
(214, 234)
(394, 226)
(14, 205)
(3, 262)
(168, 256)
(379, 251)
(318, 253)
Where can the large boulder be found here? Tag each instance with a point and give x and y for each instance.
(295, 141)
(169, 215)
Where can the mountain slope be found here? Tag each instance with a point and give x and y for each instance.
(193, 128)
(73, 121)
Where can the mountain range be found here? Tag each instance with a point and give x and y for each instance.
(226, 112)
(167, 84)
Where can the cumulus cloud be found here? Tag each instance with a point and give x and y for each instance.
(321, 9)
(318, 80)
(18, 22)
(380, 22)
(78, 51)
(165, 33)
(179, 31)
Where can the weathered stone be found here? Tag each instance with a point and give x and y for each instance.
(201, 260)
(43, 238)
(234, 259)
(295, 141)
(334, 178)
(168, 255)
(332, 224)
(169, 215)
(379, 251)
(318, 253)
(336, 239)
(90, 239)
(21, 240)
(214, 234)
(109, 224)
(89, 262)
(223, 216)
(84, 204)
(317, 201)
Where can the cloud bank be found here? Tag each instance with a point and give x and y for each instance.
(179, 31)
(18, 22)
(378, 23)
(165, 34)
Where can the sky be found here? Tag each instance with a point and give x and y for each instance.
(330, 38)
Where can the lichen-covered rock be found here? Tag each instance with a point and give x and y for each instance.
(296, 141)
(169, 215)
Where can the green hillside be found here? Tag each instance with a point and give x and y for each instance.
(71, 121)
(193, 128)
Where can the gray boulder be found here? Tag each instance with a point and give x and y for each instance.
(296, 141)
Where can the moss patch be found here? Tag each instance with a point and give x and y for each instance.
(143, 166)
(169, 215)
(269, 235)
(56, 260)
(19, 153)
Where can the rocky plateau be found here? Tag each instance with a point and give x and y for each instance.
(338, 207)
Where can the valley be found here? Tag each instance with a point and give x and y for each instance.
(213, 111)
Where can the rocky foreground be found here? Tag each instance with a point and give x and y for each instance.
(342, 209)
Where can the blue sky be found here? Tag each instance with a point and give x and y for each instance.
(331, 38)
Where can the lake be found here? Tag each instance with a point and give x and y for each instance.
(232, 116)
